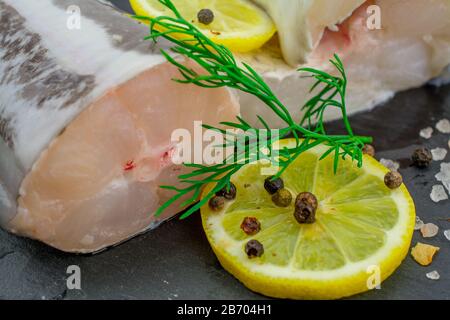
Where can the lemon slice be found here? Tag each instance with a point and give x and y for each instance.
(238, 24)
(361, 234)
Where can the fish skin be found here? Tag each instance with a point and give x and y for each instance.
(49, 75)
(41, 88)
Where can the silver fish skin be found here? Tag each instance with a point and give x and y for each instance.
(50, 73)
(54, 74)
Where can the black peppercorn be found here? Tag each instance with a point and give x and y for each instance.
(273, 185)
(393, 180)
(369, 150)
(304, 213)
(282, 198)
(308, 198)
(229, 194)
(254, 249)
(217, 203)
(205, 16)
(251, 226)
(421, 158)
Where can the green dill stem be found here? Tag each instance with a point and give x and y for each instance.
(222, 70)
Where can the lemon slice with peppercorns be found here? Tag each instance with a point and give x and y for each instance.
(238, 24)
(357, 232)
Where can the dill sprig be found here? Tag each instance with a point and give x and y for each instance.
(222, 70)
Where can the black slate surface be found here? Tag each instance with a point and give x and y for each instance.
(175, 260)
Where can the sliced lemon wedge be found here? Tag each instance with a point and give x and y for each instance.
(361, 234)
(238, 24)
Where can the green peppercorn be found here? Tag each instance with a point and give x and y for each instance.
(282, 198)
(217, 203)
(422, 158)
(205, 16)
(393, 180)
(369, 150)
(227, 193)
(254, 249)
(251, 226)
(273, 185)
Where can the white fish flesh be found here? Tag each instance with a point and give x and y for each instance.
(301, 23)
(86, 117)
(411, 48)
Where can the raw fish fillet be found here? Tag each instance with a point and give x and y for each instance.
(411, 48)
(86, 118)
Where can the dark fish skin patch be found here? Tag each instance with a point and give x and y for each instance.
(30, 69)
(6, 131)
(38, 73)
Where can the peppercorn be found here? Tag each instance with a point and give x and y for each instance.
(273, 185)
(393, 180)
(282, 198)
(229, 194)
(254, 249)
(369, 150)
(421, 158)
(308, 198)
(304, 213)
(217, 203)
(205, 16)
(251, 226)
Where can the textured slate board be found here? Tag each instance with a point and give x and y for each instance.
(176, 262)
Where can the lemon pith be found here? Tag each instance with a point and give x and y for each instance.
(360, 223)
(238, 24)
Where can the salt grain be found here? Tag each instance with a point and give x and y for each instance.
(433, 275)
(419, 223)
(443, 126)
(390, 164)
(444, 175)
(447, 234)
(424, 253)
(438, 154)
(438, 193)
(429, 230)
(426, 133)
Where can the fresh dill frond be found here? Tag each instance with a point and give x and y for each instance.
(222, 70)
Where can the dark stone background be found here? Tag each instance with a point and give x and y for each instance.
(175, 260)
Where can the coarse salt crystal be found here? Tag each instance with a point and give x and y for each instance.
(426, 133)
(444, 175)
(447, 234)
(433, 275)
(443, 126)
(429, 230)
(438, 154)
(438, 193)
(419, 223)
(390, 164)
(424, 253)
